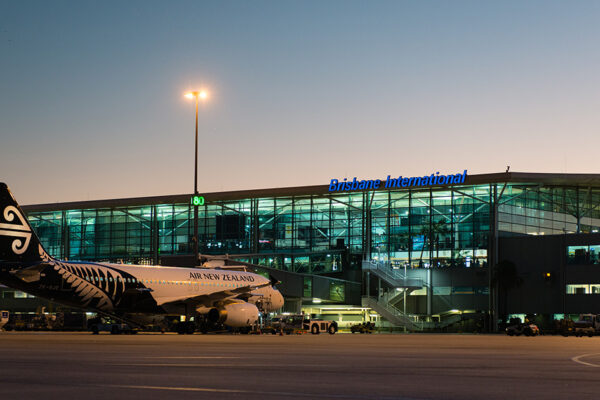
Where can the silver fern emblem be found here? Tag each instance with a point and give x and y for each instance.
(90, 282)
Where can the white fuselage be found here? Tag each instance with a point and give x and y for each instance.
(169, 284)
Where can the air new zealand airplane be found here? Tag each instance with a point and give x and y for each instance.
(129, 293)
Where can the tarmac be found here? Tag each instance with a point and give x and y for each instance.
(342, 366)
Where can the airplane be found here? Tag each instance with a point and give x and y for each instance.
(129, 293)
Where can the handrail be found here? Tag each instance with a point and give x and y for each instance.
(412, 319)
(385, 270)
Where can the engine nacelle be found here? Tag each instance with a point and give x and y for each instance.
(236, 315)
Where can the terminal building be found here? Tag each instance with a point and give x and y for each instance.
(460, 253)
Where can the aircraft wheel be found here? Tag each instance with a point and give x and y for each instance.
(314, 329)
(95, 330)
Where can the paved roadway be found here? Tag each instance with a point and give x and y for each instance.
(344, 366)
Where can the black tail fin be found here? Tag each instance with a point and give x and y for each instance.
(18, 241)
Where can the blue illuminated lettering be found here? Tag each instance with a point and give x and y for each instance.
(390, 182)
(336, 185)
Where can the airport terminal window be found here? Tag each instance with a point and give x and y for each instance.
(583, 255)
(583, 288)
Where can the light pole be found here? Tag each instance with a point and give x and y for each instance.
(198, 95)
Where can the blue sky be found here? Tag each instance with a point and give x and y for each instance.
(92, 104)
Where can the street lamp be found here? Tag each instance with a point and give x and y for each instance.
(198, 95)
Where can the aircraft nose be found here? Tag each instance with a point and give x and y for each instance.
(278, 300)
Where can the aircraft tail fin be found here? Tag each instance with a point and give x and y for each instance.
(18, 241)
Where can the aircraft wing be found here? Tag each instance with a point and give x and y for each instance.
(209, 299)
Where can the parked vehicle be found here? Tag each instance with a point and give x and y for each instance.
(28, 322)
(316, 326)
(102, 324)
(587, 325)
(526, 329)
(365, 327)
(288, 324)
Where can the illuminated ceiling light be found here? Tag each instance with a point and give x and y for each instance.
(316, 301)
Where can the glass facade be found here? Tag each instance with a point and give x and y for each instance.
(583, 255)
(321, 232)
(545, 210)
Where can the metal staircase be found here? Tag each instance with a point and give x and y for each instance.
(387, 304)
(396, 296)
(394, 315)
(393, 277)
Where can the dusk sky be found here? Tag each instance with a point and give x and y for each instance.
(92, 106)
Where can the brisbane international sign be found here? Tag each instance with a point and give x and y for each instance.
(429, 180)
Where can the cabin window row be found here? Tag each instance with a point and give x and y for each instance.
(160, 282)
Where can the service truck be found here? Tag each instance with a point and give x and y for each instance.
(587, 325)
(316, 326)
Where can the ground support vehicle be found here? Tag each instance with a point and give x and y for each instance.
(565, 327)
(365, 327)
(587, 325)
(271, 326)
(288, 324)
(580, 330)
(523, 329)
(28, 322)
(316, 326)
(281, 324)
(100, 324)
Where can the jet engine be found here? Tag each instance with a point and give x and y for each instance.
(236, 315)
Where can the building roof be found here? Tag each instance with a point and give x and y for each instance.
(547, 179)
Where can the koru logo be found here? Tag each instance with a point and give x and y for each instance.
(19, 230)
